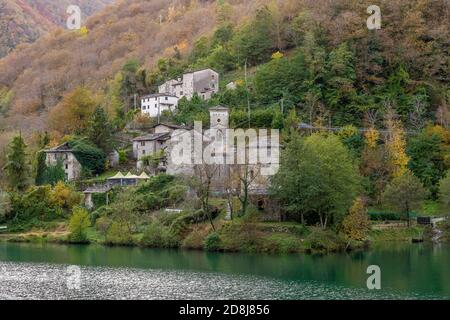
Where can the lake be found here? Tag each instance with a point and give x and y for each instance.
(41, 271)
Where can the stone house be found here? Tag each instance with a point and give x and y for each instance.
(204, 82)
(154, 105)
(157, 140)
(63, 153)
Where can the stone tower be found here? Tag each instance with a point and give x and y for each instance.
(219, 117)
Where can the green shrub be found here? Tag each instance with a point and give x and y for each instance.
(99, 199)
(156, 184)
(281, 243)
(5, 205)
(180, 226)
(325, 240)
(159, 236)
(122, 156)
(382, 216)
(102, 225)
(154, 236)
(118, 234)
(78, 225)
(212, 242)
(237, 236)
(301, 230)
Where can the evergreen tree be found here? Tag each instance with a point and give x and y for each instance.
(129, 83)
(17, 169)
(100, 130)
(255, 41)
(41, 168)
(340, 91)
(427, 153)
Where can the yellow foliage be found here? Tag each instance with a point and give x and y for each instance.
(440, 131)
(84, 31)
(357, 222)
(277, 55)
(348, 131)
(396, 148)
(183, 46)
(240, 82)
(73, 112)
(63, 196)
(372, 136)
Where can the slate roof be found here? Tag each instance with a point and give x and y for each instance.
(163, 136)
(61, 148)
(153, 95)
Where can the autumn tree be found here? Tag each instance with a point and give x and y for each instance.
(396, 145)
(72, 114)
(405, 194)
(17, 168)
(64, 196)
(356, 224)
(374, 164)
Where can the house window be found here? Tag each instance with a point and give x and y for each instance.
(167, 98)
(142, 143)
(143, 151)
(181, 93)
(67, 166)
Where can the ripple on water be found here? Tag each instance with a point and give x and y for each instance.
(49, 281)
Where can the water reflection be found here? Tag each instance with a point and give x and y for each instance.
(407, 270)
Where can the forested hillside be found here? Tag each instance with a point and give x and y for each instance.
(24, 21)
(363, 116)
(316, 56)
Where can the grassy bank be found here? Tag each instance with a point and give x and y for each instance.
(239, 235)
(398, 234)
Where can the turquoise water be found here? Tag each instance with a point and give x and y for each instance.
(35, 271)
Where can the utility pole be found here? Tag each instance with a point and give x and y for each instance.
(248, 97)
(135, 101)
(159, 112)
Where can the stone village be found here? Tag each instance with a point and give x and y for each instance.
(157, 150)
